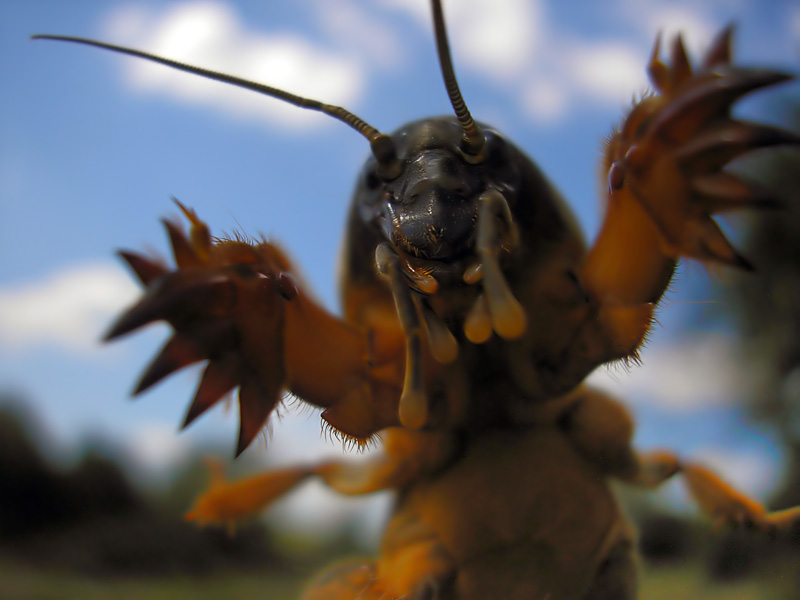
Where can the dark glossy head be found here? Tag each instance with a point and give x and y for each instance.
(429, 211)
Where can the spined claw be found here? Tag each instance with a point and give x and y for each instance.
(226, 304)
(670, 155)
(707, 98)
(719, 53)
(705, 241)
(219, 379)
(199, 233)
(710, 150)
(178, 352)
(657, 71)
(681, 68)
(724, 192)
(145, 269)
(182, 249)
(258, 397)
(178, 297)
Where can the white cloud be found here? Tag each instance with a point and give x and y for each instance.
(609, 71)
(209, 34)
(157, 449)
(545, 99)
(497, 39)
(579, 75)
(354, 28)
(794, 24)
(506, 42)
(693, 375)
(691, 23)
(517, 40)
(68, 308)
(562, 73)
(316, 510)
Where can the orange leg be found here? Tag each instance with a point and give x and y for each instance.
(407, 455)
(411, 565)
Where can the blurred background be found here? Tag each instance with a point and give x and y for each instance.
(92, 146)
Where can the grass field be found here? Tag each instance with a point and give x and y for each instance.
(20, 582)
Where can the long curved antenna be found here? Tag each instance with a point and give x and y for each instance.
(473, 141)
(381, 144)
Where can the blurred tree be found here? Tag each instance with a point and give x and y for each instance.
(768, 313)
(89, 519)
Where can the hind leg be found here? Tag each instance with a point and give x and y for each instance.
(601, 429)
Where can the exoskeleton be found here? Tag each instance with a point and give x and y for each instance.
(472, 313)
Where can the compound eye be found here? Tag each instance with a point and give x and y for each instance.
(616, 177)
(497, 150)
(371, 178)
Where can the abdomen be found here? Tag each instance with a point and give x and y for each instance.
(521, 515)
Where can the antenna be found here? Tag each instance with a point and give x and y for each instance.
(381, 145)
(473, 141)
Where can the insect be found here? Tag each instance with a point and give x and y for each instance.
(473, 312)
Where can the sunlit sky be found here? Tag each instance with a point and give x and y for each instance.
(92, 146)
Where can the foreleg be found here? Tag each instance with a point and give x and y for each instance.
(668, 176)
(237, 304)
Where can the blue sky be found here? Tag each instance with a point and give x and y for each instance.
(92, 146)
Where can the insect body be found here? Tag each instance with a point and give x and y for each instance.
(473, 311)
